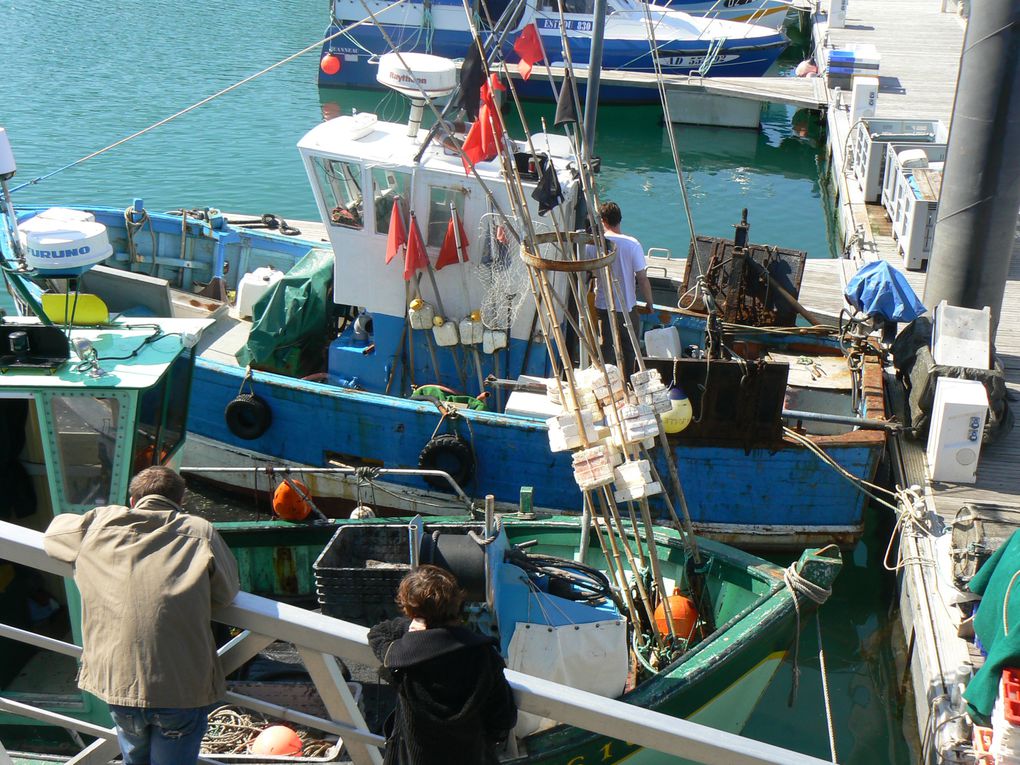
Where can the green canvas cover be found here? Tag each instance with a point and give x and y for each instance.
(996, 581)
(290, 322)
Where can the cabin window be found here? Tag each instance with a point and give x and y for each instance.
(388, 185)
(569, 6)
(85, 430)
(439, 212)
(340, 184)
(162, 412)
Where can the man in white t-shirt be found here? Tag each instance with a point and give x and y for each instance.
(628, 273)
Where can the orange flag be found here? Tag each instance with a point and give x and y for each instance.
(482, 141)
(529, 47)
(448, 252)
(397, 237)
(417, 256)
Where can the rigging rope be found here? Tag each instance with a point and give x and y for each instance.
(799, 586)
(207, 99)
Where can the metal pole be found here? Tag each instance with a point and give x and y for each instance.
(591, 99)
(980, 195)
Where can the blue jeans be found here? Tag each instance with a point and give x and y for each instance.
(159, 736)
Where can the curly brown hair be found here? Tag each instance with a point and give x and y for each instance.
(432, 594)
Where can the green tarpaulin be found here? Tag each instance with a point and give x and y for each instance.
(998, 584)
(290, 322)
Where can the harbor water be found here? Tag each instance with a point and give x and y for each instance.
(80, 77)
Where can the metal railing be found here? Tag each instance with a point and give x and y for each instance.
(320, 639)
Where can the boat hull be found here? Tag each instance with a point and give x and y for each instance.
(780, 497)
(360, 49)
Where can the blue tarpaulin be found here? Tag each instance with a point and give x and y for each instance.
(880, 289)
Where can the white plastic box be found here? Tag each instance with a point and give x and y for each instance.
(957, 423)
(254, 285)
(962, 337)
(869, 139)
(663, 343)
(910, 206)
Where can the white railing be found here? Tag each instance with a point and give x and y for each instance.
(320, 639)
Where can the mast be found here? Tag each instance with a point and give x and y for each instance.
(977, 214)
(591, 100)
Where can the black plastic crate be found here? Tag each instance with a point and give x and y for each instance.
(357, 574)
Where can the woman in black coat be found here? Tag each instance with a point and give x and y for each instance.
(454, 705)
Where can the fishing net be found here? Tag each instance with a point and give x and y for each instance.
(501, 271)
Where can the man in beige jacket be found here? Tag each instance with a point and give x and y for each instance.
(149, 576)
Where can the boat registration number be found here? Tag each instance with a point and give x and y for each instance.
(575, 25)
(691, 61)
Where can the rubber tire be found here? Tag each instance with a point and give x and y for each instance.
(248, 416)
(451, 453)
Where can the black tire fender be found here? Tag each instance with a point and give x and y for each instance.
(248, 416)
(451, 453)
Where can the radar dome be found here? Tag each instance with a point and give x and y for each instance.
(414, 73)
(64, 243)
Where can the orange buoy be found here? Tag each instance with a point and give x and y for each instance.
(278, 740)
(330, 64)
(685, 616)
(291, 505)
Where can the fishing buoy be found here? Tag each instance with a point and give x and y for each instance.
(291, 505)
(806, 68)
(361, 512)
(330, 64)
(685, 616)
(278, 740)
(680, 411)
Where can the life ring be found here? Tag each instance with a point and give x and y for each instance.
(450, 453)
(248, 416)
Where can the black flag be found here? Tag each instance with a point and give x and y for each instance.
(565, 111)
(472, 75)
(548, 192)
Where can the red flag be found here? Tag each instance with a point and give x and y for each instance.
(416, 256)
(448, 252)
(397, 237)
(482, 141)
(529, 47)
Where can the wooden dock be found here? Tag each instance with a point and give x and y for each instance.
(802, 93)
(918, 75)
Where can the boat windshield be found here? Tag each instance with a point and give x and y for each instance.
(85, 434)
(617, 6)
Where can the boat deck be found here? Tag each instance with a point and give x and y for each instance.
(918, 76)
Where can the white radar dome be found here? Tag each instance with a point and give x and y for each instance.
(414, 73)
(64, 242)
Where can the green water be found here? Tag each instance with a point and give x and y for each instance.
(77, 77)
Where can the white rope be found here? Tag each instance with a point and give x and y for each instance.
(825, 690)
(799, 586)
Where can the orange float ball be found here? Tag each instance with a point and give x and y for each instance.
(278, 740)
(330, 64)
(291, 505)
(685, 617)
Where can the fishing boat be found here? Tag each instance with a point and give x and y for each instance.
(714, 45)
(391, 363)
(85, 407)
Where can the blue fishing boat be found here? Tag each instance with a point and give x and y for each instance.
(686, 44)
(325, 350)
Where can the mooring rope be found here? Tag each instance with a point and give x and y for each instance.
(207, 99)
(799, 586)
(232, 732)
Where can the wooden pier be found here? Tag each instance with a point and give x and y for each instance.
(920, 46)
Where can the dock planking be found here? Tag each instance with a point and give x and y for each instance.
(918, 76)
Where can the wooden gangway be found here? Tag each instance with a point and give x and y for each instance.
(800, 92)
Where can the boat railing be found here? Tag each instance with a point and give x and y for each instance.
(321, 641)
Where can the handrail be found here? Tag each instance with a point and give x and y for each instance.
(320, 638)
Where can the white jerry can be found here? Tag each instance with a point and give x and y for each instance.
(420, 314)
(493, 340)
(445, 332)
(471, 329)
